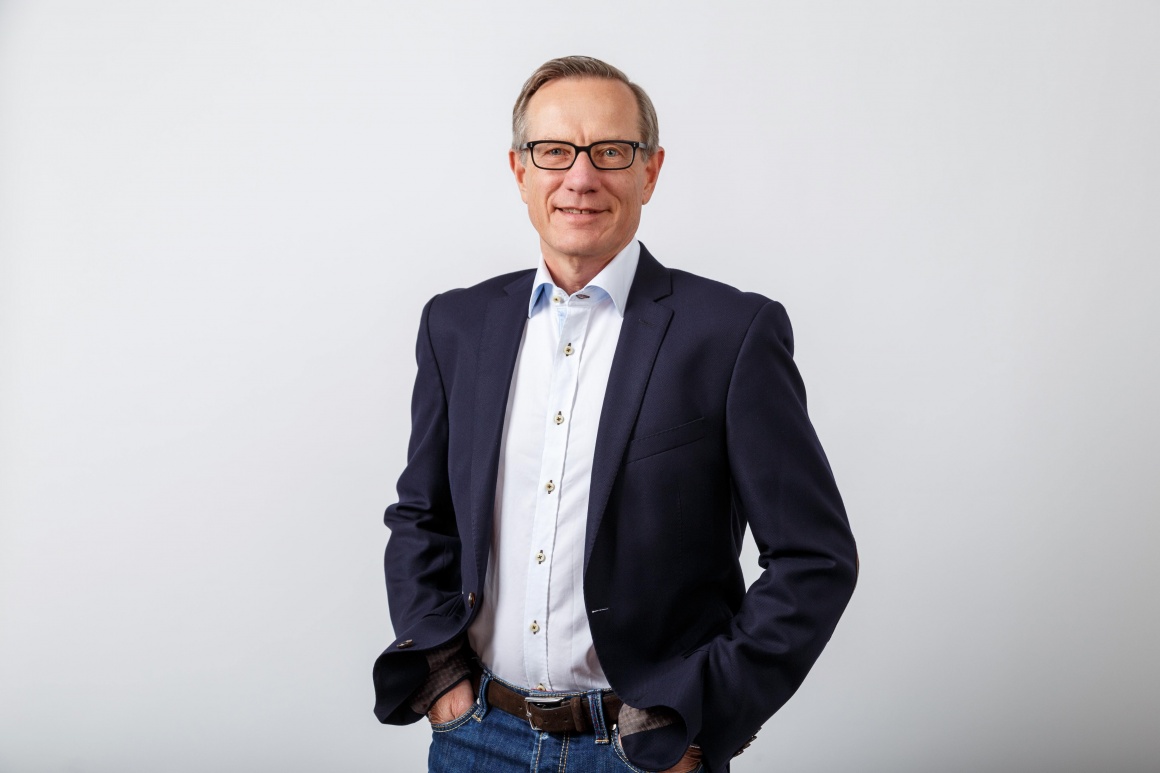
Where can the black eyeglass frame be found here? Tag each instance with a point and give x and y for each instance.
(586, 149)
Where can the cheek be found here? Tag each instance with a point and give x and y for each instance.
(643, 192)
(630, 195)
(536, 195)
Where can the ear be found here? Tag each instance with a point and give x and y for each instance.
(652, 171)
(519, 170)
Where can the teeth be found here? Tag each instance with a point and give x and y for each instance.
(578, 211)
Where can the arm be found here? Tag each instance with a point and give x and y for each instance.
(780, 485)
(422, 555)
(784, 489)
(421, 561)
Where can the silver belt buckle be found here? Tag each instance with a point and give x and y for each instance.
(546, 703)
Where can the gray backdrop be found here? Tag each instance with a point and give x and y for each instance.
(219, 222)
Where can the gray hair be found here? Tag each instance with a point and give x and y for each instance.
(583, 67)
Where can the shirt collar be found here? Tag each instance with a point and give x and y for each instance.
(615, 279)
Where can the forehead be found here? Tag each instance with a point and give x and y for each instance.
(583, 110)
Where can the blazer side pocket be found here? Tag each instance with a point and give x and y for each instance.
(666, 440)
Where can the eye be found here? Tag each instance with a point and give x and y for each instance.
(612, 155)
(552, 155)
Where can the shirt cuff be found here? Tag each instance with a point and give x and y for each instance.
(632, 720)
(447, 666)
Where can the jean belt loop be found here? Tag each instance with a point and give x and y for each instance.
(596, 711)
(481, 699)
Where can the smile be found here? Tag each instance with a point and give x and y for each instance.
(571, 211)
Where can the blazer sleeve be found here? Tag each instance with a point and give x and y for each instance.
(783, 487)
(421, 561)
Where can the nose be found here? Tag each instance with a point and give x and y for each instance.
(583, 176)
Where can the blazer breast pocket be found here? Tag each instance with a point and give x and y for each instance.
(666, 440)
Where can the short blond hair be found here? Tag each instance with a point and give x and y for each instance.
(583, 67)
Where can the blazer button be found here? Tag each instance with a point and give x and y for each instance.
(470, 599)
(752, 738)
(405, 644)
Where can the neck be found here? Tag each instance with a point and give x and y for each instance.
(571, 273)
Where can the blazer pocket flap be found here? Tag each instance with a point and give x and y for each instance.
(666, 440)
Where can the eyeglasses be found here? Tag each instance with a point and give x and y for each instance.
(558, 156)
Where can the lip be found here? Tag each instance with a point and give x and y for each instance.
(579, 211)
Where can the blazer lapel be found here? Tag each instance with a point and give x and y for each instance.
(499, 344)
(641, 333)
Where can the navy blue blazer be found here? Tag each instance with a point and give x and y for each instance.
(703, 431)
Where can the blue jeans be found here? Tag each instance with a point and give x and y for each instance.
(493, 741)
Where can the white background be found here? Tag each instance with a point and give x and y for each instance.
(219, 222)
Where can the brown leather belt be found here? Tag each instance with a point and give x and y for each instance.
(550, 714)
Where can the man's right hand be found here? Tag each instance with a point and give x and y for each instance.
(454, 703)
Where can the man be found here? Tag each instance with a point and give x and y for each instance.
(589, 441)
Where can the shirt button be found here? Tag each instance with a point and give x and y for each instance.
(550, 487)
(541, 687)
(535, 627)
(471, 599)
(568, 350)
(559, 417)
(555, 299)
(540, 557)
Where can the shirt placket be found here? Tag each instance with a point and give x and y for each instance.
(571, 323)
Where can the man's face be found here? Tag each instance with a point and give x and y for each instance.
(583, 213)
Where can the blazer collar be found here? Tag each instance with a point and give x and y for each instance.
(641, 333)
(499, 344)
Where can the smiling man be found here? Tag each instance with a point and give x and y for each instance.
(590, 440)
(586, 212)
